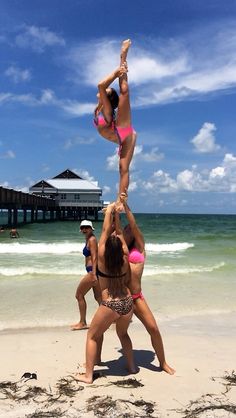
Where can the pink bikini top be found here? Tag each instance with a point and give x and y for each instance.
(135, 256)
(101, 121)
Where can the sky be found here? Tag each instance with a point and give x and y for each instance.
(182, 80)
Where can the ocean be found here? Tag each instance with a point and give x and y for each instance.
(190, 270)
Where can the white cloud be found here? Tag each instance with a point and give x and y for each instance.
(38, 38)
(229, 160)
(92, 61)
(18, 75)
(164, 71)
(217, 172)
(204, 141)
(133, 185)
(218, 179)
(106, 190)
(77, 109)
(149, 157)
(84, 174)
(73, 142)
(48, 98)
(139, 156)
(8, 155)
(45, 168)
(113, 162)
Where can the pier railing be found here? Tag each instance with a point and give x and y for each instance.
(16, 199)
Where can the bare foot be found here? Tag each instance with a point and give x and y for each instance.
(79, 326)
(167, 368)
(133, 370)
(83, 378)
(125, 46)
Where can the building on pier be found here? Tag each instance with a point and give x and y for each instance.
(75, 197)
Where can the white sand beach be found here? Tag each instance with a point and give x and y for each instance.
(201, 361)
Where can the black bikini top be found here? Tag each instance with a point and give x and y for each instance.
(101, 274)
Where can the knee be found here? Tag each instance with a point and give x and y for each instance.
(79, 296)
(124, 90)
(152, 329)
(123, 168)
(121, 335)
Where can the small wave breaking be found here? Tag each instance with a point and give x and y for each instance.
(166, 270)
(73, 248)
(80, 271)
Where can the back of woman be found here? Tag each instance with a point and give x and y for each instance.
(113, 268)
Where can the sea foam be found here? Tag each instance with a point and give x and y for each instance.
(80, 270)
(70, 247)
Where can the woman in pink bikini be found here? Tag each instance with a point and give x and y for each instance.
(135, 242)
(117, 128)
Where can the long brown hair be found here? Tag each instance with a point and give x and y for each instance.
(114, 261)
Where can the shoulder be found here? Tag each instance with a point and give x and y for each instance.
(92, 239)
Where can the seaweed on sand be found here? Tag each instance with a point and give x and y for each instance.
(64, 387)
(13, 391)
(230, 380)
(16, 392)
(124, 383)
(205, 404)
(120, 408)
(47, 414)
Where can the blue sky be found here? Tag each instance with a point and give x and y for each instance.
(182, 76)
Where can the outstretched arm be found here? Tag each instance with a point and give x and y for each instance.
(103, 85)
(119, 233)
(107, 223)
(138, 236)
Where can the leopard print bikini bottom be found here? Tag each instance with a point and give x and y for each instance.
(120, 306)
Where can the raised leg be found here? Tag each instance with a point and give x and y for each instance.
(123, 111)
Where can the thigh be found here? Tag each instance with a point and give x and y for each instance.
(128, 149)
(101, 321)
(123, 322)
(86, 283)
(144, 313)
(123, 112)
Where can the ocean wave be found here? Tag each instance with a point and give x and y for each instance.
(41, 248)
(80, 271)
(70, 248)
(168, 248)
(32, 271)
(166, 270)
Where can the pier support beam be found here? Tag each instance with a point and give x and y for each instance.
(9, 217)
(25, 216)
(32, 215)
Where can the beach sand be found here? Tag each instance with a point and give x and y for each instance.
(201, 361)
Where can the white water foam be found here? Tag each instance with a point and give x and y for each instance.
(70, 248)
(151, 271)
(168, 248)
(79, 271)
(41, 248)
